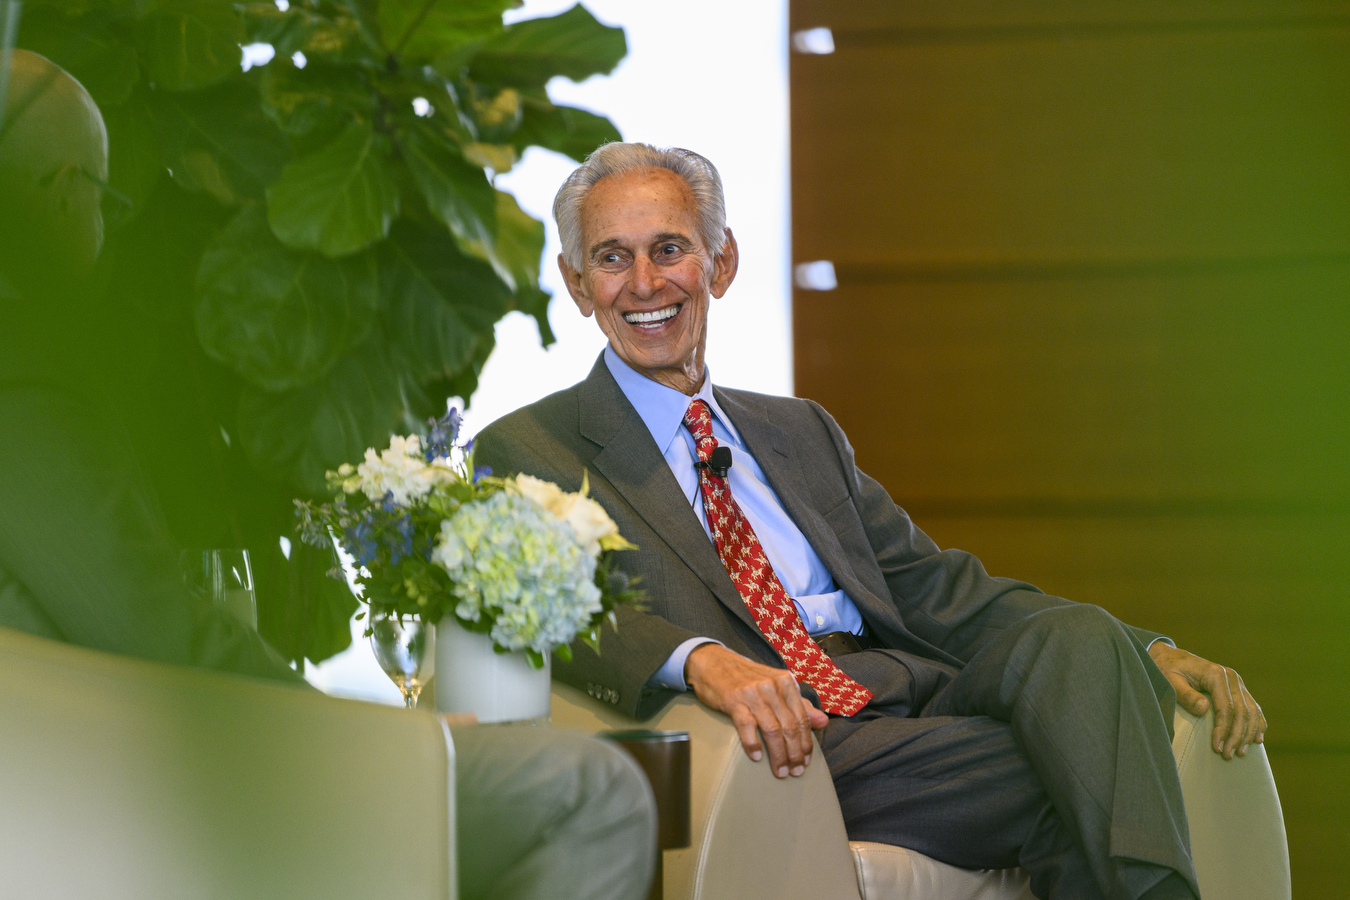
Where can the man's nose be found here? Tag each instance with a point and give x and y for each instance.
(647, 278)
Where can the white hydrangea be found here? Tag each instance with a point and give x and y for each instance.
(401, 470)
(515, 562)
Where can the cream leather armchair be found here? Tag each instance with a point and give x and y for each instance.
(127, 779)
(750, 832)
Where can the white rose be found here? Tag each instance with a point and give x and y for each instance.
(588, 520)
(545, 493)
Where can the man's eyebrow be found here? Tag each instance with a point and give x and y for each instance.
(672, 236)
(596, 248)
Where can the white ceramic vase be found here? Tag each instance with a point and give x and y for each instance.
(472, 677)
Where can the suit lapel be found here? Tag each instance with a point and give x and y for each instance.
(630, 460)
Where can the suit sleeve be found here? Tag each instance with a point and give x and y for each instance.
(620, 675)
(944, 596)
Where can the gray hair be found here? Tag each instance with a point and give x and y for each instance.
(619, 158)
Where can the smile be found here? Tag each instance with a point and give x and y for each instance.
(653, 318)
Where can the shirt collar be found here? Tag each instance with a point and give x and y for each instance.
(662, 408)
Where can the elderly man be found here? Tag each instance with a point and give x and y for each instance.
(86, 558)
(972, 718)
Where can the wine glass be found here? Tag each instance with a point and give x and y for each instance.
(402, 646)
(226, 576)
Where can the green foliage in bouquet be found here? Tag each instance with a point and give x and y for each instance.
(515, 558)
(309, 256)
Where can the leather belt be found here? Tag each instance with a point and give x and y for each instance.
(842, 643)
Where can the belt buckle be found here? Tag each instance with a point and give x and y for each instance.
(838, 643)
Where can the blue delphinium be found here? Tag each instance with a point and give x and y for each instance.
(442, 434)
(400, 539)
(359, 541)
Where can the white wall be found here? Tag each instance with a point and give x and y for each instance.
(709, 76)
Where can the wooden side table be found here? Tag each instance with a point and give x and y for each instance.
(664, 757)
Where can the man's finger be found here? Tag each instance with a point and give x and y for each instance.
(748, 730)
(1230, 714)
(1253, 722)
(780, 724)
(800, 724)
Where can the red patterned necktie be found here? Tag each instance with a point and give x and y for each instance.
(754, 577)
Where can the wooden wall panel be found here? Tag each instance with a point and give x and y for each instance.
(1110, 147)
(1214, 390)
(1092, 320)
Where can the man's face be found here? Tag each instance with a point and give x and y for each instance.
(646, 276)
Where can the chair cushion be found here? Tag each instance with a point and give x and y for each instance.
(887, 872)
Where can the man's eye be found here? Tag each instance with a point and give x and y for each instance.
(669, 249)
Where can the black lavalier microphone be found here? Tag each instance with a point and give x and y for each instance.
(719, 462)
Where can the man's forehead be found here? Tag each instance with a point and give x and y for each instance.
(645, 205)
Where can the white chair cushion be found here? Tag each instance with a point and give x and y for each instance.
(887, 872)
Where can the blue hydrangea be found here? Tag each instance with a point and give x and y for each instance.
(518, 565)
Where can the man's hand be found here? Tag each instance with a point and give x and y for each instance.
(1238, 720)
(760, 700)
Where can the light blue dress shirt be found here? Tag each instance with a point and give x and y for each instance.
(822, 606)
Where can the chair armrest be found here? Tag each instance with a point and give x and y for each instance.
(1237, 829)
(751, 835)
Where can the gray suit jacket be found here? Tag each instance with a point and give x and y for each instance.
(934, 609)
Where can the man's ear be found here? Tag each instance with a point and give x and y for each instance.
(575, 287)
(725, 264)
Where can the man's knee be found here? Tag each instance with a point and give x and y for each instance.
(1080, 625)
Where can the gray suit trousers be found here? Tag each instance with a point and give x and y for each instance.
(542, 814)
(1049, 750)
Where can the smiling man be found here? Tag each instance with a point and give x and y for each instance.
(974, 719)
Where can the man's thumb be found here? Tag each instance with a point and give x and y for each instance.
(1196, 703)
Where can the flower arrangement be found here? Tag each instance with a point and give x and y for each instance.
(516, 558)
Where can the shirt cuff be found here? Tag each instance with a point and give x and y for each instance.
(1166, 640)
(671, 675)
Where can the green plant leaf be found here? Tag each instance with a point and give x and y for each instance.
(422, 31)
(337, 38)
(296, 436)
(495, 115)
(456, 191)
(529, 53)
(190, 44)
(337, 200)
(87, 48)
(533, 301)
(569, 131)
(135, 163)
(425, 282)
(366, 12)
(219, 141)
(519, 244)
(301, 611)
(465, 382)
(277, 317)
(314, 103)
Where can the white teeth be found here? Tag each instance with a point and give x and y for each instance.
(649, 318)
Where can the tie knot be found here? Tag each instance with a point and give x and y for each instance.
(698, 419)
